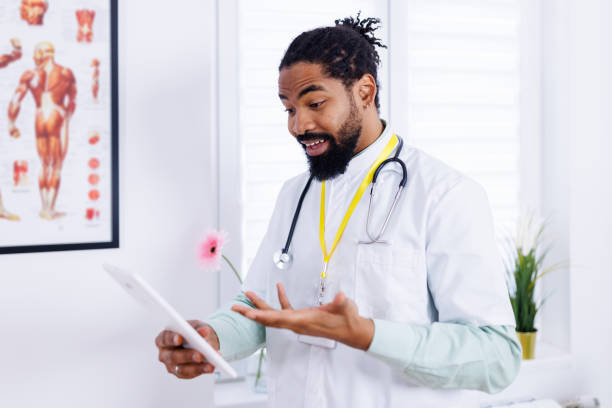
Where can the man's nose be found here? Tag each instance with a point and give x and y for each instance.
(302, 122)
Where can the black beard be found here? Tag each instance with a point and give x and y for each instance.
(335, 160)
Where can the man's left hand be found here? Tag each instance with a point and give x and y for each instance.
(338, 320)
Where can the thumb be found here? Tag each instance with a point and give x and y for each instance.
(339, 299)
(204, 331)
(337, 305)
(210, 336)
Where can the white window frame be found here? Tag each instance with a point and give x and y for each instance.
(229, 199)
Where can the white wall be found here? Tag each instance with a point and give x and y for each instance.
(577, 192)
(69, 335)
(590, 223)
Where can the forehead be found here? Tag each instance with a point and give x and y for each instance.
(293, 79)
(35, 3)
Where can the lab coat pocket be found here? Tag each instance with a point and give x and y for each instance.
(384, 280)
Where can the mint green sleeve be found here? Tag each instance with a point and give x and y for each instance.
(449, 355)
(238, 336)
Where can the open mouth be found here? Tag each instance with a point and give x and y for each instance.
(315, 147)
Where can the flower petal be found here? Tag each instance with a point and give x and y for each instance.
(211, 249)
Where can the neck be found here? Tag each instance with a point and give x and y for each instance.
(47, 63)
(371, 129)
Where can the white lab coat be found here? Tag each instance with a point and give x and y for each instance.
(441, 264)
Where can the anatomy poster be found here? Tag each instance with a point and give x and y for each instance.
(58, 125)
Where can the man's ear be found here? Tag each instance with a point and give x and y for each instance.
(366, 90)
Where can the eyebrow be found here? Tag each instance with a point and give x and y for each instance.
(310, 88)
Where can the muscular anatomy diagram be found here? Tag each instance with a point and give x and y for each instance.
(85, 19)
(53, 88)
(95, 86)
(13, 56)
(4, 61)
(33, 11)
(94, 137)
(20, 173)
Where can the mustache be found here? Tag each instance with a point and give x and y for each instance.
(312, 136)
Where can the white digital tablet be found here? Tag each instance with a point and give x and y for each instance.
(140, 290)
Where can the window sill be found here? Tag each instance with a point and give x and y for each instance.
(550, 362)
(239, 394)
(548, 357)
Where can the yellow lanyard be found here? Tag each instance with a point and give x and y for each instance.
(364, 184)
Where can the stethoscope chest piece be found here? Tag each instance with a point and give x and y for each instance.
(282, 260)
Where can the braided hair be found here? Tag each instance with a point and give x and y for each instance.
(346, 51)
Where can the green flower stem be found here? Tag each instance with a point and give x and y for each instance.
(259, 366)
(233, 268)
(261, 352)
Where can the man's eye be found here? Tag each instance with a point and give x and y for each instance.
(289, 111)
(316, 104)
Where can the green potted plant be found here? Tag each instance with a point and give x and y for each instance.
(524, 265)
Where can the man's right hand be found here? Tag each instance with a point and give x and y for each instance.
(182, 362)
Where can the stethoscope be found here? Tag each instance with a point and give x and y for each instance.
(283, 259)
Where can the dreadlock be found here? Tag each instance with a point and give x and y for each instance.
(346, 51)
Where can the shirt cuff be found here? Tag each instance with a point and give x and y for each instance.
(238, 336)
(390, 347)
(225, 342)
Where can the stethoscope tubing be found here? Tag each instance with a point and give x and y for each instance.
(284, 253)
(296, 215)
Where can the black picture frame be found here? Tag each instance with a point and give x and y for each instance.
(114, 93)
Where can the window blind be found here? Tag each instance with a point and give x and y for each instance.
(462, 82)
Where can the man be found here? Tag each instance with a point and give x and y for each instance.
(53, 88)
(6, 59)
(419, 320)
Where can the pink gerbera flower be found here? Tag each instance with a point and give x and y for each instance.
(210, 250)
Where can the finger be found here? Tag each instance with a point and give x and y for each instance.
(336, 305)
(244, 310)
(282, 319)
(241, 309)
(197, 324)
(339, 299)
(168, 338)
(257, 301)
(172, 357)
(204, 331)
(186, 371)
(282, 297)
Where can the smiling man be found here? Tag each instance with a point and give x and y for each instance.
(418, 316)
(319, 106)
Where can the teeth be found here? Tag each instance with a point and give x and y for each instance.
(314, 143)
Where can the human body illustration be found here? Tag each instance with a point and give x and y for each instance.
(53, 88)
(14, 55)
(95, 85)
(85, 20)
(33, 11)
(4, 61)
(20, 173)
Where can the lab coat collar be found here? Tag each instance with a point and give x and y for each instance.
(362, 161)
